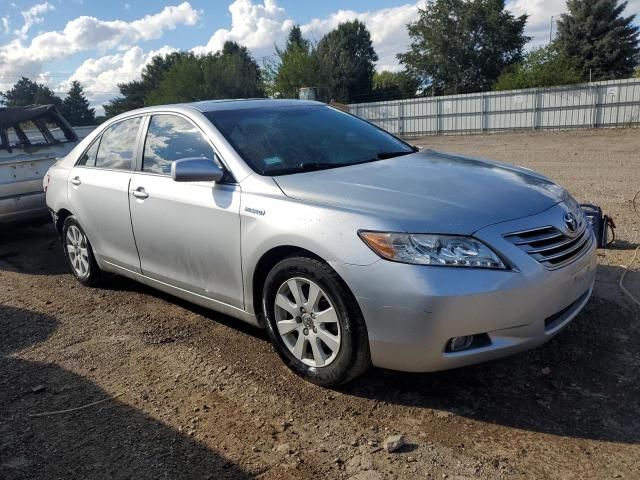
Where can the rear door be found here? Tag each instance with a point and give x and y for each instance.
(99, 193)
(188, 234)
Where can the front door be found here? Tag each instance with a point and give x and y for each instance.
(188, 234)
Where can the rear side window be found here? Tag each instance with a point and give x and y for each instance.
(117, 146)
(88, 158)
(172, 138)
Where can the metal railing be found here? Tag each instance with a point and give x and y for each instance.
(613, 103)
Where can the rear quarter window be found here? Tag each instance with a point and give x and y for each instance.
(88, 158)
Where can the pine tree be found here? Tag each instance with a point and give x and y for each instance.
(347, 61)
(27, 92)
(76, 107)
(603, 43)
(296, 39)
(296, 67)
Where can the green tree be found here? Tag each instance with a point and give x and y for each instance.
(395, 85)
(541, 67)
(134, 93)
(460, 46)
(229, 73)
(76, 107)
(347, 61)
(296, 67)
(27, 92)
(596, 35)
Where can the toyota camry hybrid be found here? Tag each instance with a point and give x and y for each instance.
(350, 246)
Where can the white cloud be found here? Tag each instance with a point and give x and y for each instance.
(5, 24)
(87, 33)
(100, 76)
(33, 16)
(256, 26)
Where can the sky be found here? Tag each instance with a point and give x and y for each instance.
(102, 43)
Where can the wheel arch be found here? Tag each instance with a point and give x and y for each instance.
(61, 216)
(267, 261)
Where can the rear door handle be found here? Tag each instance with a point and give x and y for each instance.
(76, 181)
(140, 193)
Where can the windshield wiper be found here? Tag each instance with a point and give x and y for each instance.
(304, 167)
(385, 155)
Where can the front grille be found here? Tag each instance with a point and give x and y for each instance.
(551, 247)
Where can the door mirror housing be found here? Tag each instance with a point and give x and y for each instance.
(196, 170)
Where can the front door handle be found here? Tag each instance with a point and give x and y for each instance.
(76, 181)
(140, 193)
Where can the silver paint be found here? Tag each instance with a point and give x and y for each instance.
(202, 241)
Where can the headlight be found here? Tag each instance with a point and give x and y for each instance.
(423, 249)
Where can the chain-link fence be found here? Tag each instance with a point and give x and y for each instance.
(599, 104)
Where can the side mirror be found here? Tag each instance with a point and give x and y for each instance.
(196, 170)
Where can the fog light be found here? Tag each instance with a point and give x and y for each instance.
(460, 343)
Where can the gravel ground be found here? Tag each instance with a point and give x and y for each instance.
(194, 394)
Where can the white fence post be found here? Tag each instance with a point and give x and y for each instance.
(594, 113)
(536, 106)
(483, 109)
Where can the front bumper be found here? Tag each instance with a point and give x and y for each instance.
(412, 311)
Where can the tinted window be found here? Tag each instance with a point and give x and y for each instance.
(172, 138)
(289, 139)
(88, 158)
(117, 147)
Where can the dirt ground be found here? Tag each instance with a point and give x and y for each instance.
(195, 394)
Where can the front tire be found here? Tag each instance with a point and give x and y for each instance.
(314, 322)
(79, 254)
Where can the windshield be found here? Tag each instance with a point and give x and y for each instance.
(291, 139)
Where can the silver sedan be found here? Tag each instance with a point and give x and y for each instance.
(350, 246)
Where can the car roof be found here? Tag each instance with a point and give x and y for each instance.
(213, 106)
(241, 104)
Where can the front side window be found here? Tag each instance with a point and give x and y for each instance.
(118, 144)
(281, 140)
(172, 138)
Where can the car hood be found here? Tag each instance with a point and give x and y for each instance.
(429, 191)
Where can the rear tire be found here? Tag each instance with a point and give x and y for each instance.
(314, 322)
(79, 254)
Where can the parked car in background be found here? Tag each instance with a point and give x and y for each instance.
(31, 139)
(347, 244)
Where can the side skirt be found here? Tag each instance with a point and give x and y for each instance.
(184, 294)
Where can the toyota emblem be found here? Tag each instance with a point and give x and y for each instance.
(571, 222)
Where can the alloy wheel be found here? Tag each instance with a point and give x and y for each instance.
(307, 322)
(78, 251)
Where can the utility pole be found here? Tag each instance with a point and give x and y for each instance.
(551, 29)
